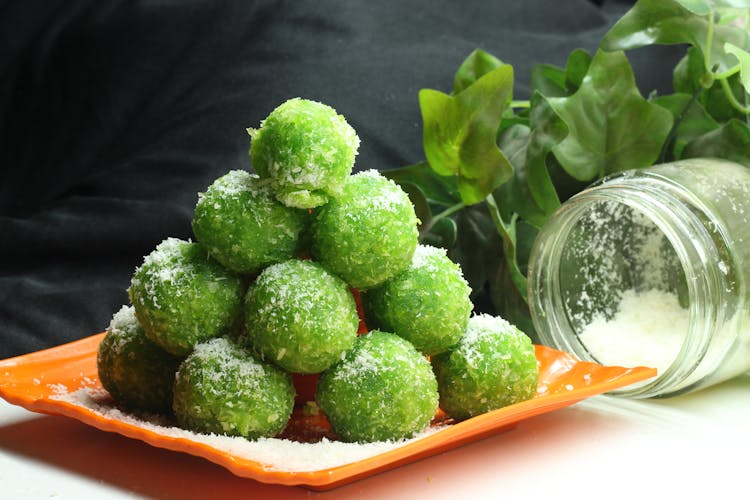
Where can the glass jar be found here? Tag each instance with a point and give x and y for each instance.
(651, 267)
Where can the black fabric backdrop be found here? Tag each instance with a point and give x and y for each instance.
(113, 115)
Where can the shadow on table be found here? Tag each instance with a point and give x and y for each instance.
(486, 467)
(136, 467)
(127, 464)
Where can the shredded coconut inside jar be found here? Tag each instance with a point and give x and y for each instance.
(648, 329)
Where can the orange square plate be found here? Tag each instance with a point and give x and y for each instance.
(34, 381)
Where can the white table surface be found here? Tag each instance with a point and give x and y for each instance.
(692, 446)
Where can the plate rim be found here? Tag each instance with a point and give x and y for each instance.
(452, 436)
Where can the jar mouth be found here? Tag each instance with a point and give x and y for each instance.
(585, 274)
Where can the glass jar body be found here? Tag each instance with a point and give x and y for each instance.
(651, 267)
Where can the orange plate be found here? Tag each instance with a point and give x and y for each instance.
(33, 380)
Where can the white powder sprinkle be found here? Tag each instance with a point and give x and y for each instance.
(236, 182)
(482, 325)
(275, 454)
(124, 319)
(648, 329)
(165, 251)
(427, 256)
(58, 389)
(223, 353)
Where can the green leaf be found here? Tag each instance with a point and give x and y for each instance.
(507, 231)
(509, 303)
(669, 22)
(705, 7)
(476, 65)
(716, 103)
(530, 193)
(525, 237)
(548, 80)
(514, 197)
(690, 121)
(419, 201)
(700, 7)
(444, 125)
(552, 81)
(510, 118)
(731, 142)
(508, 299)
(460, 133)
(732, 15)
(611, 126)
(437, 189)
(442, 234)
(547, 131)
(689, 74)
(732, 4)
(478, 249)
(744, 60)
(576, 68)
(565, 185)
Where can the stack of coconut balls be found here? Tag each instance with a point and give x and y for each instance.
(217, 326)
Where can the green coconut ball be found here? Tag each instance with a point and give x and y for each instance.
(243, 226)
(368, 234)
(428, 304)
(306, 149)
(137, 373)
(300, 317)
(182, 296)
(492, 366)
(222, 389)
(384, 389)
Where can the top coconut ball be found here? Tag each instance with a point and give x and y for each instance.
(306, 150)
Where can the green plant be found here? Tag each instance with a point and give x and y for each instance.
(496, 169)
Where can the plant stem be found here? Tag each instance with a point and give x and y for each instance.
(709, 42)
(445, 213)
(726, 74)
(508, 234)
(733, 99)
(673, 131)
